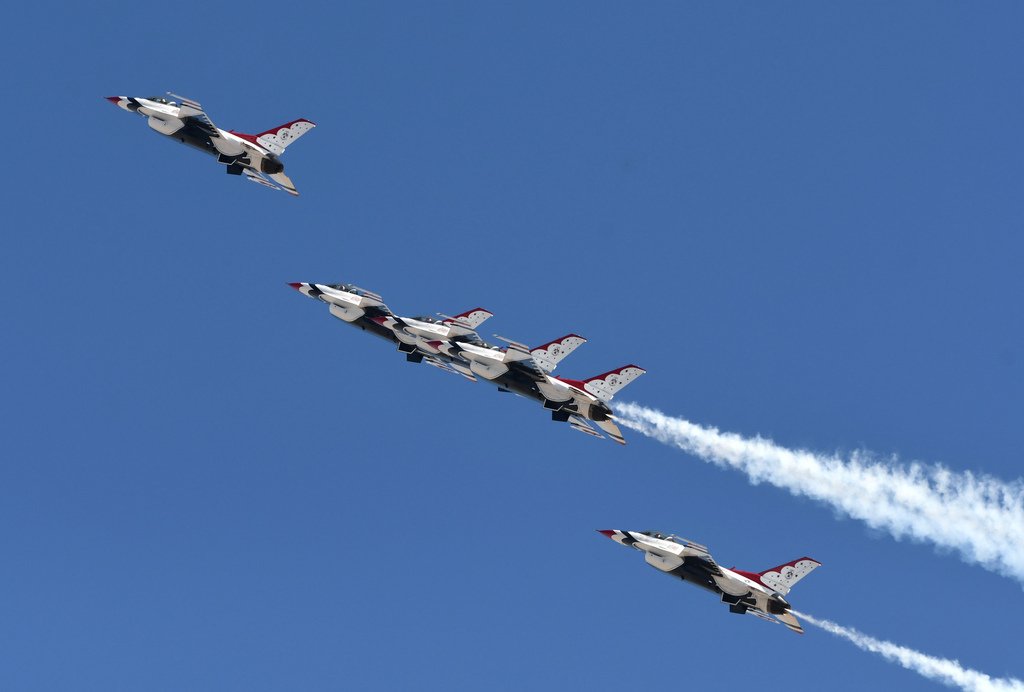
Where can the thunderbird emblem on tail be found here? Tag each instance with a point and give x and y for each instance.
(452, 344)
(257, 157)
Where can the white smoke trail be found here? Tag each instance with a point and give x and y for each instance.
(943, 670)
(979, 516)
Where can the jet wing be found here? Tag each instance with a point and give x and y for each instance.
(519, 356)
(194, 111)
(441, 365)
(709, 564)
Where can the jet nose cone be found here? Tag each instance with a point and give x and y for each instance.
(113, 99)
(607, 532)
(296, 286)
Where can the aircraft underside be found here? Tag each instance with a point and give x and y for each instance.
(196, 137)
(695, 572)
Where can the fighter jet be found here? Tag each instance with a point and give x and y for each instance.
(366, 310)
(452, 344)
(254, 156)
(758, 593)
(527, 372)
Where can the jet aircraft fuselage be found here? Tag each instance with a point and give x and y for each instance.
(255, 156)
(757, 593)
(453, 344)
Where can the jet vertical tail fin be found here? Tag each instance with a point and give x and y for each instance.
(470, 318)
(277, 139)
(465, 323)
(549, 355)
(783, 577)
(606, 386)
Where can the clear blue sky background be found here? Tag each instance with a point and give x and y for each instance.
(803, 220)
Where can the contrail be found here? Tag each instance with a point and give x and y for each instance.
(979, 516)
(944, 670)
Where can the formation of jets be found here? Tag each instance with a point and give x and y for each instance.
(452, 344)
(757, 593)
(257, 157)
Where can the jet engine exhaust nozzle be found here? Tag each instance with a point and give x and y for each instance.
(271, 166)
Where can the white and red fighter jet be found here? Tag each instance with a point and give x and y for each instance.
(453, 345)
(257, 157)
(521, 370)
(758, 593)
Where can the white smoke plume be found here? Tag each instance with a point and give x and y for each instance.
(978, 516)
(944, 670)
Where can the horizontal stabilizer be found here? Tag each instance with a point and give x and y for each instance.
(608, 425)
(790, 621)
(580, 424)
(285, 182)
(257, 178)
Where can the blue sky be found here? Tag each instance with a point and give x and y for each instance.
(804, 221)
